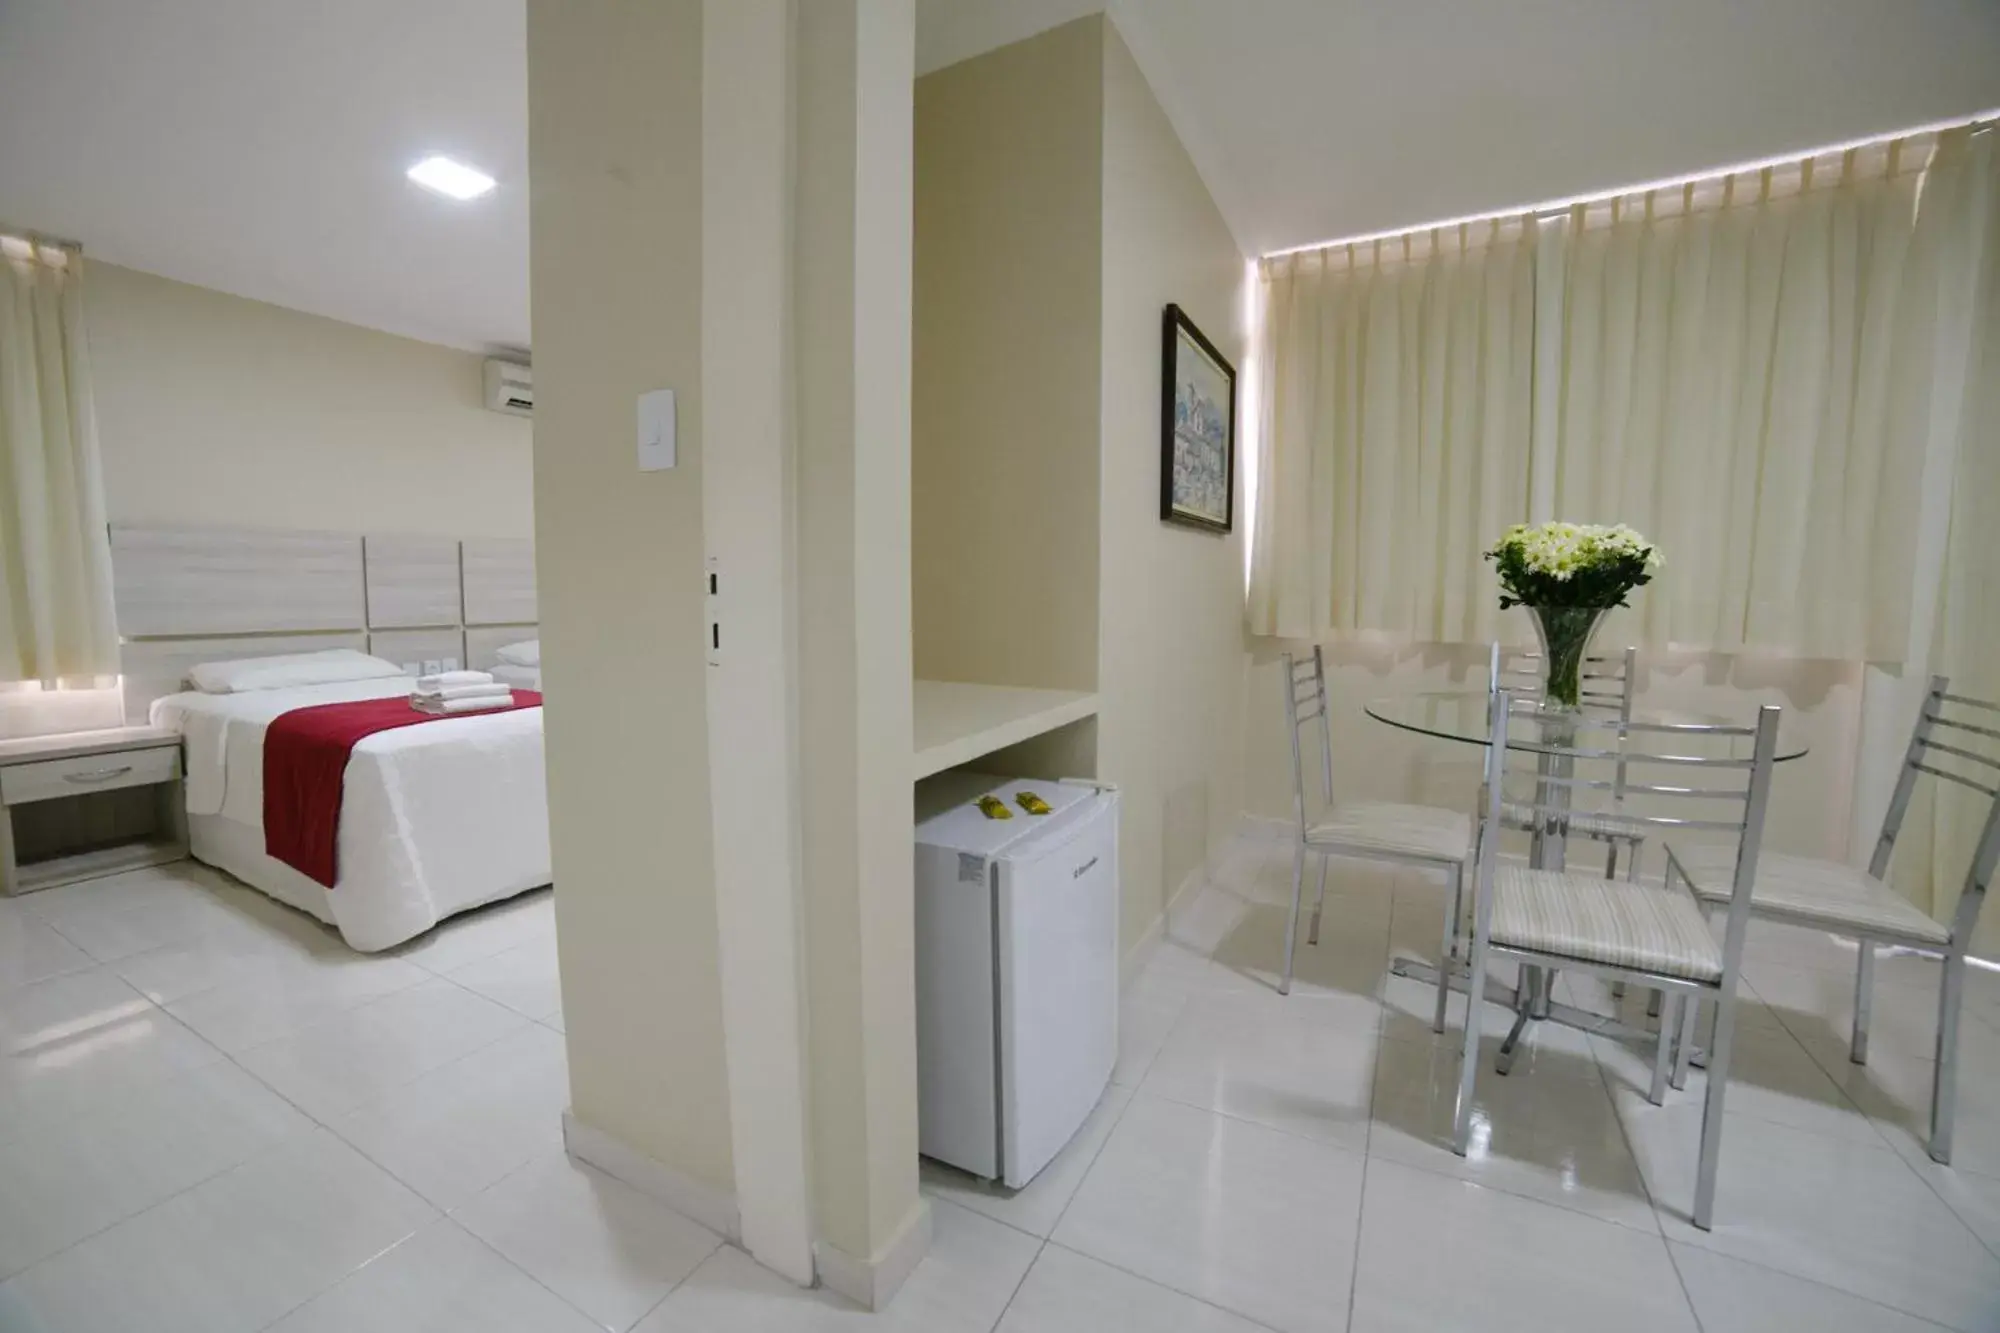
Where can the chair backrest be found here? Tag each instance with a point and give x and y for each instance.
(1305, 703)
(1965, 756)
(1606, 680)
(1543, 758)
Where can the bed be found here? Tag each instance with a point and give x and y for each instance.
(435, 818)
(520, 677)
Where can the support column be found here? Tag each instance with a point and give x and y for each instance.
(856, 66)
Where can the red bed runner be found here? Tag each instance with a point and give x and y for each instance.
(305, 767)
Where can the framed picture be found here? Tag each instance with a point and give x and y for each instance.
(1197, 428)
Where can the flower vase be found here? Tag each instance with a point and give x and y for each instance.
(1565, 633)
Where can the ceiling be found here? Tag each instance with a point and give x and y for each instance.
(258, 146)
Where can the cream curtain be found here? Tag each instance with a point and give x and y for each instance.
(1960, 581)
(55, 556)
(1396, 389)
(1745, 364)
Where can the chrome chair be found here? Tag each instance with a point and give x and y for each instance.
(1605, 683)
(1371, 830)
(1835, 897)
(1657, 937)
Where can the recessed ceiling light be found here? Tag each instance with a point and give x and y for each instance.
(452, 179)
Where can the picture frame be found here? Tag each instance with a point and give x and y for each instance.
(1197, 428)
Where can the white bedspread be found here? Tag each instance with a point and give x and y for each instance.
(434, 818)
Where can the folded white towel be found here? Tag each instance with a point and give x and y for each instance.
(442, 678)
(491, 690)
(444, 707)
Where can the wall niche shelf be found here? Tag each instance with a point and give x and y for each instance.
(957, 722)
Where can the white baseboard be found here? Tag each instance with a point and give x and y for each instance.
(1196, 880)
(713, 1208)
(871, 1284)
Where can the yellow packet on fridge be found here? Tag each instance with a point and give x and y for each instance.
(1032, 803)
(994, 808)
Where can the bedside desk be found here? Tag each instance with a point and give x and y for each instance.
(88, 804)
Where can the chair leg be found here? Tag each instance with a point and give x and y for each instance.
(1448, 946)
(1944, 1073)
(1663, 1055)
(1864, 1001)
(1292, 921)
(1611, 858)
(1654, 1004)
(1319, 902)
(1632, 864)
(1684, 1048)
(1711, 1111)
(1468, 1066)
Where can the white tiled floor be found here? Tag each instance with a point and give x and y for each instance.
(215, 1117)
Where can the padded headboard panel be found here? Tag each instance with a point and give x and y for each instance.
(206, 581)
(412, 582)
(499, 581)
(484, 642)
(192, 595)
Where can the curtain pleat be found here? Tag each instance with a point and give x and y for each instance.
(55, 590)
(1396, 389)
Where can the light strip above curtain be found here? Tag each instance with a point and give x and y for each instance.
(1552, 208)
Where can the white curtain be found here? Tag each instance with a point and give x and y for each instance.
(1736, 367)
(55, 555)
(1397, 382)
(1745, 365)
(1956, 593)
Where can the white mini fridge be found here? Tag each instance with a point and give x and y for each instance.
(1017, 976)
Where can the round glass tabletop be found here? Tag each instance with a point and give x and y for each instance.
(1461, 715)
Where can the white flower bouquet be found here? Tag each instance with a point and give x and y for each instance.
(1571, 564)
(1569, 575)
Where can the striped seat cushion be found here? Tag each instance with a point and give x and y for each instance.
(1615, 921)
(1799, 889)
(1585, 823)
(1424, 831)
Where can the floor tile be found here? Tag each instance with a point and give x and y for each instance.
(600, 1244)
(1731, 1296)
(1259, 1222)
(1829, 1210)
(974, 1266)
(64, 1183)
(1349, 958)
(456, 1130)
(81, 1043)
(176, 971)
(1439, 1254)
(441, 1280)
(355, 1058)
(1143, 1027)
(1302, 1063)
(1036, 1207)
(523, 978)
(228, 1256)
(263, 1004)
(1066, 1292)
(127, 914)
(1548, 1133)
(481, 933)
(30, 951)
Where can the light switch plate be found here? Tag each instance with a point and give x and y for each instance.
(656, 430)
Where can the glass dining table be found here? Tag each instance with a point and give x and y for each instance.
(1465, 716)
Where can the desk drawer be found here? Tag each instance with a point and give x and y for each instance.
(22, 783)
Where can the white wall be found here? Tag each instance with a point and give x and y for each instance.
(615, 136)
(214, 410)
(1170, 647)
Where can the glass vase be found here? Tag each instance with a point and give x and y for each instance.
(1565, 633)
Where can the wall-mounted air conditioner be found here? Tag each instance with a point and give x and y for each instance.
(510, 387)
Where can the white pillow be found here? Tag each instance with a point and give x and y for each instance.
(289, 669)
(527, 654)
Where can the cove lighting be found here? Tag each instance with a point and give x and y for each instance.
(452, 179)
